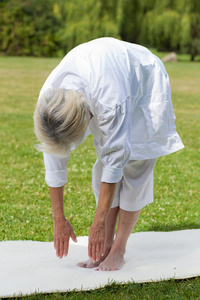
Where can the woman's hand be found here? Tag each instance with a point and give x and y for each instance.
(62, 228)
(62, 233)
(97, 232)
(96, 241)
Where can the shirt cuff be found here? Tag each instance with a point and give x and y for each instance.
(56, 178)
(111, 175)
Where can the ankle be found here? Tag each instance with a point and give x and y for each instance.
(108, 245)
(107, 250)
(118, 249)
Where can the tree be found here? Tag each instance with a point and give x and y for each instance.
(134, 12)
(29, 27)
(173, 25)
(89, 19)
(54, 27)
(195, 34)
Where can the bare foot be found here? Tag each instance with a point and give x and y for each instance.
(89, 263)
(113, 262)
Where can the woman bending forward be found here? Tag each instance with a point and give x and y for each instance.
(119, 92)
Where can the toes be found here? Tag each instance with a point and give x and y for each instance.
(82, 265)
(106, 269)
(102, 267)
(108, 265)
(88, 264)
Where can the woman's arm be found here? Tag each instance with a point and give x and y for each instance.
(62, 228)
(56, 177)
(97, 230)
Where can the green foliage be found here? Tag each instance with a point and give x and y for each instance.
(195, 35)
(158, 29)
(173, 25)
(28, 28)
(54, 27)
(185, 33)
(90, 19)
(133, 17)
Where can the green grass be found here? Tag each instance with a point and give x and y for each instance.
(180, 57)
(25, 212)
(173, 290)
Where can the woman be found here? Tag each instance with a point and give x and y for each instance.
(119, 92)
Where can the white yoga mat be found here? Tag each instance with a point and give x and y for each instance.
(27, 267)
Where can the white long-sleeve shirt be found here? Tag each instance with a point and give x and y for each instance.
(128, 92)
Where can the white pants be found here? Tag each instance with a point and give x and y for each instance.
(134, 190)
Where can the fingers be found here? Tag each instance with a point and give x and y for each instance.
(102, 249)
(90, 249)
(73, 236)
(97, 253)
(61, 238)
(94, 247)
(95, 250)
(60, 249)
(61, 246)
(96, 242)
(66, 247)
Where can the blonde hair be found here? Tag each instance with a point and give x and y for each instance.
(61, 118)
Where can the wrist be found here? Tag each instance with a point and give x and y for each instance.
(58, 216)
(56, 195)
(101, 215)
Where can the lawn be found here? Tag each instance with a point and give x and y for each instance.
(25, 212)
